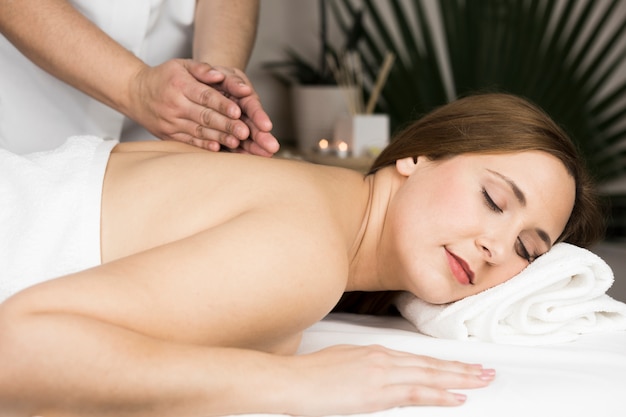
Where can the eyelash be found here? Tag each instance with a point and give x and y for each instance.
(523, 252)
(490, 203)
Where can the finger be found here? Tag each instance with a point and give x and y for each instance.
(238, 87)
(208, 97)
(235, 84)
(209, 145)
(411, 359)
(407, 395)
(437, 378)
(441, 364)
(264, 140)
(250, 106)
(406, 368)
(203, 72)
(208, 92)
(253, 110)
(212, 120)
(190, 130)
(251, 147)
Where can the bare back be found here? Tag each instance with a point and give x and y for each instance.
(247, 253)
(146, 206)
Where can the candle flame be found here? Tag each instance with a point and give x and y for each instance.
(323, 144)
(343, 146)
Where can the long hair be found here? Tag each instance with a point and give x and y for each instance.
(490, 124)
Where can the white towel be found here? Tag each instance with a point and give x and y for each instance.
(50, 212)
(558, 297)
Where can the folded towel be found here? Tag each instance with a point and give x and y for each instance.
(50, 212)
(558, 297)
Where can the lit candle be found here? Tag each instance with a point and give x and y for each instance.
(323, 146)
(342, 150)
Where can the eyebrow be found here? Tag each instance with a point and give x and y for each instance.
(544, 236)
(521, 198)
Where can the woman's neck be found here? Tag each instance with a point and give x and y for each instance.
(365, 257)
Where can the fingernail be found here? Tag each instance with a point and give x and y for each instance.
(487, 374)
(232, 143)
(461, 398)
(234, 112)
(241, 132)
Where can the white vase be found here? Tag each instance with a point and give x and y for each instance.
(364, 134)
(316, 109)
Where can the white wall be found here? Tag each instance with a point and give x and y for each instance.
(282, 23)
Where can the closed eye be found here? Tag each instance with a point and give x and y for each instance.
(520, 247)
(523, 252)
(489, 201)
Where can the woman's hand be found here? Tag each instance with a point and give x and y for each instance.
(352, 379)
(192, 102)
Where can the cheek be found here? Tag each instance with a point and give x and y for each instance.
(437, 202)
(404, 236)
(505, 272)
(434, 213)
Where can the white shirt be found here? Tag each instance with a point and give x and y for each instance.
(39, 112)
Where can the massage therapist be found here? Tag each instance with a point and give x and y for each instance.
(109, 68)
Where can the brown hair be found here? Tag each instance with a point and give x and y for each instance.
(490, 123)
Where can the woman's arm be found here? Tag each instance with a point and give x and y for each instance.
(64, 365)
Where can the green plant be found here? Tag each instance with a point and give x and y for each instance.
(301, 70)
(561, 55)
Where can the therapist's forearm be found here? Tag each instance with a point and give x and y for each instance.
(60, 40)
(225, 31)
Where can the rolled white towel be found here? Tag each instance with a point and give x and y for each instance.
(558, 297)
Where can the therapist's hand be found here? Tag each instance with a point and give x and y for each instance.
(192, 102)
(239, 89)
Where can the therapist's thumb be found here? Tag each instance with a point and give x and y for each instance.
(203, 72)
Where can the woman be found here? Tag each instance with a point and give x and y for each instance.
(209, 278)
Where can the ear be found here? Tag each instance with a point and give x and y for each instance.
(406, 166)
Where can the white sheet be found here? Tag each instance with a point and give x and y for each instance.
(586, 377)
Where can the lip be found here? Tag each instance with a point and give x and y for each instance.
(460, 269)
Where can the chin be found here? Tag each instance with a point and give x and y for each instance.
(437, 288)
(438, 298)
(439, 302)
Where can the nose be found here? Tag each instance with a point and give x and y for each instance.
(497, 245)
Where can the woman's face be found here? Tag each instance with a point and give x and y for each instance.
(458, 226)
